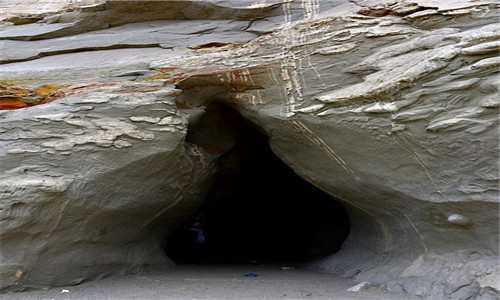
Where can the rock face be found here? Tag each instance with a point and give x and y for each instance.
(390, 107)
(80, 179)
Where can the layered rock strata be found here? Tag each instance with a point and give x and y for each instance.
(391, 107)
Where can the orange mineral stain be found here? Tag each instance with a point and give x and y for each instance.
(47, 90)
(13, 103)
(15, 97)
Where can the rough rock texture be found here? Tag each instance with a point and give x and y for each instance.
(32, 10)
(391, 107)
(85, 183)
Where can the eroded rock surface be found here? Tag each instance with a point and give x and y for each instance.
(391, 107)
(84, 175)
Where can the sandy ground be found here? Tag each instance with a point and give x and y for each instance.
(216, 282)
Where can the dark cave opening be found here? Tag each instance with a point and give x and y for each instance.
(258, 208)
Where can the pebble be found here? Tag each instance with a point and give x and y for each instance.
(360, 287)
(459, 219)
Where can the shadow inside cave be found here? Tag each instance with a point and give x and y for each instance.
(258, 208)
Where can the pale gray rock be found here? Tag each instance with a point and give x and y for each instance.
(390, 107)
(405, 133)
(459, 219)
(70, 68)
(165, 34)
(359, 287)
(85, 174)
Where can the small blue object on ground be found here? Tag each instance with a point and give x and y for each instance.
(251, 275)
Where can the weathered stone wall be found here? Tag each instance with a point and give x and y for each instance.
(87, 181)
(390, 107)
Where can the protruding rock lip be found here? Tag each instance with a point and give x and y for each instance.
(113, 13)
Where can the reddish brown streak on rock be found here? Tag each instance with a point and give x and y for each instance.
(17, 97)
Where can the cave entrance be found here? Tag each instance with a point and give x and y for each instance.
(258, 209)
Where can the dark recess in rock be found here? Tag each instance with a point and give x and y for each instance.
(258, 209)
